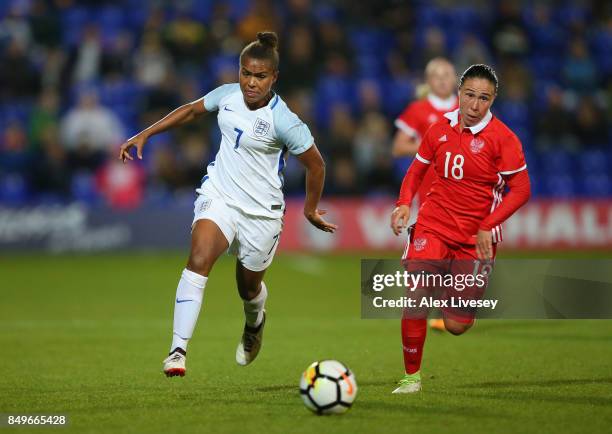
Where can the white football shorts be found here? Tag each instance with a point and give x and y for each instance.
(252, 239)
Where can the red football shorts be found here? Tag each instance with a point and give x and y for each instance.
(457, 266)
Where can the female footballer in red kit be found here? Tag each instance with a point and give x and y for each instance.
(476, 157)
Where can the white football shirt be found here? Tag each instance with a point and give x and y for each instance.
(247, 170)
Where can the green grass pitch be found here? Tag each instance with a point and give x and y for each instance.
(85, 336)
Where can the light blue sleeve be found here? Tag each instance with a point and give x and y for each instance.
(291, 131)
(212, 98)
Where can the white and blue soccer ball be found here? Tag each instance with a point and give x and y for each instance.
(328, 387)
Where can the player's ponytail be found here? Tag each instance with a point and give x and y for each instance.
(265, 48)
(268, 39)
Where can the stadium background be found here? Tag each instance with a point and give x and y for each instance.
(85, 334)
(78, 78)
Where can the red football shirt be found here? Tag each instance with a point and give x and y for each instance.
(416, 119)
(471, 166)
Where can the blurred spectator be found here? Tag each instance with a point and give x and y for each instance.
(299, 66)
(343, 179)
(579, 70)
(185, 38)
(195, 152)
(554, 125)
(121, 185)
(471, 51)
(371, 142)
(339, 60)
(339, 140)
(15, 156)
(85, 61)
(591, 126)
(51, 171)
(167, 169)
(369, 96)
(261, 16)
(435, 46)
(509, 36)
(117, 61)
(54, 70)
(44, 115)
(15, 27)
(18, 77)
(91, 123)
(333, 40)
(45, 24)
(152, 64)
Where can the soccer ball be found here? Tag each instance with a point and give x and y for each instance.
(328, 387)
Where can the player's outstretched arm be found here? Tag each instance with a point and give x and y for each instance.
(315, 177)
(404, 145)
(182, 115)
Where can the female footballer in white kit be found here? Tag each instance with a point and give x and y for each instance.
(240, 203)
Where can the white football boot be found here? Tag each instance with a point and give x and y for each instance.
(174, 365)
(250, 344)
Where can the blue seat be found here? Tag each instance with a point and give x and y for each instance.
(220, 63)
(73, 20)
(428, 15)
(538, 187)
(597, 185)
(83, 188)
(593, 162)
(201, 10)
(110, 18)
(396, 96)
(514, 113)
(570, 14)
(556, 163)
(371, 66)
(14, 189)
(545, 66)
(560, 186)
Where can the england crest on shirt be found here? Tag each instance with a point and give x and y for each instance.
(261, 128)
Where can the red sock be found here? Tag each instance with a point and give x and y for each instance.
(413, 339)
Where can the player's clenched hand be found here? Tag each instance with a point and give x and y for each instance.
(138, 142)
(399, 218)
(484, 245)
(314, 217)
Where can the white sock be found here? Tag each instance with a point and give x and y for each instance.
(189, 295)
(253, 309)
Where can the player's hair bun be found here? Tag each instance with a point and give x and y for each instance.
(268, 39)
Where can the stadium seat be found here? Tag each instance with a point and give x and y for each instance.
(560, 186)
(371, 66)
(428, 15)
(83, 188)
(593, 162)
(597, 185)
(201, 10)
(13, 189)
(545, 66)
(73, 20)
(397, 94)
(556, 163)
(570, 14)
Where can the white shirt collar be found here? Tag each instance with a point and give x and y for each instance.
(454, 120)
(442, 104)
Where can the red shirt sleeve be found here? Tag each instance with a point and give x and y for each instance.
(520, 191)
(512, 159)
(408, 122)
(416, 171)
